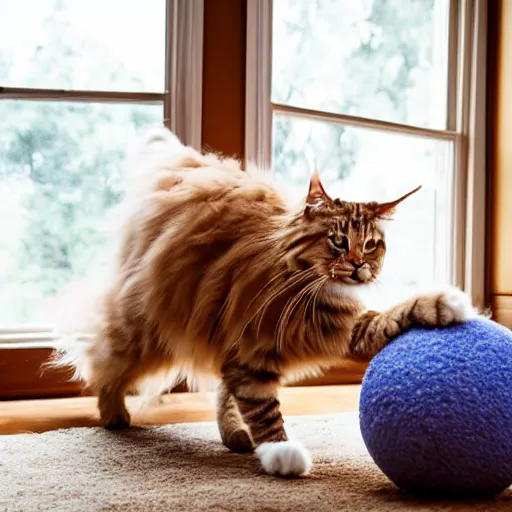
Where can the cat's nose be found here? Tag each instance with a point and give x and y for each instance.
(354, 258)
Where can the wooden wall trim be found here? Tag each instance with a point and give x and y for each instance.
(223, 125)
(349, 372)
(502, 309)
(493, 36)
(501, 106)
(21, 376)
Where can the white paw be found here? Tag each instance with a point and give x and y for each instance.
(459, 304)
(284, 458)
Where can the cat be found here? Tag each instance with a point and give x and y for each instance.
(217, 274)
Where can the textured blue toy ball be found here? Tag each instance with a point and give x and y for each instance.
(436, 410)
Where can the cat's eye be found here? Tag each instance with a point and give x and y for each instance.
(370, 246)
(338, 242)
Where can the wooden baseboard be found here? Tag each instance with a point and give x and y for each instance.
(502, 309)
(349, 372)
(42, 415)
(21, 376)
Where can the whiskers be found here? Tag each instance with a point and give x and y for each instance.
(291, 281)
(301, 276)
(311, 291)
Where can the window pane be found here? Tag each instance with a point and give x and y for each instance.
(366, 165)
(60, 171)
(93, 44)
(382, 59)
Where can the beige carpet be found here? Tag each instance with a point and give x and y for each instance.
(185, 468)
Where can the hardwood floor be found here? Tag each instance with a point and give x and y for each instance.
(41, 415)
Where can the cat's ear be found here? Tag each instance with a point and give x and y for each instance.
(387, 209)
(316, 194)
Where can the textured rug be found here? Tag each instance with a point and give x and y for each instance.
(184, 467)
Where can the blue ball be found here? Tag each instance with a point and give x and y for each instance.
(436, 410)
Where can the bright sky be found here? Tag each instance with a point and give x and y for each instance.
(132, 31)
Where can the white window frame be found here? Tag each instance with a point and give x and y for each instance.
(466, 127)
(182, 114)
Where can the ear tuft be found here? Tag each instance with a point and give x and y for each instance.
(316, 192)
(386, 210)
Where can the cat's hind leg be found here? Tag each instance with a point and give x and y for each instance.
(110, 376)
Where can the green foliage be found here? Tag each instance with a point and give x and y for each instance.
(63, 162)
(366, 58)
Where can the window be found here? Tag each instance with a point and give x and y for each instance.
(73, 94)
(380, 96)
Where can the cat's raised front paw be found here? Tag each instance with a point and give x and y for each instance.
(285, 458)
(453, 306)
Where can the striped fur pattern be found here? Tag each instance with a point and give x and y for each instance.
(248, 402)
(217, 275)
(373, 330)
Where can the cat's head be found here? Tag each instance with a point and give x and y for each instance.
(343, 241)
